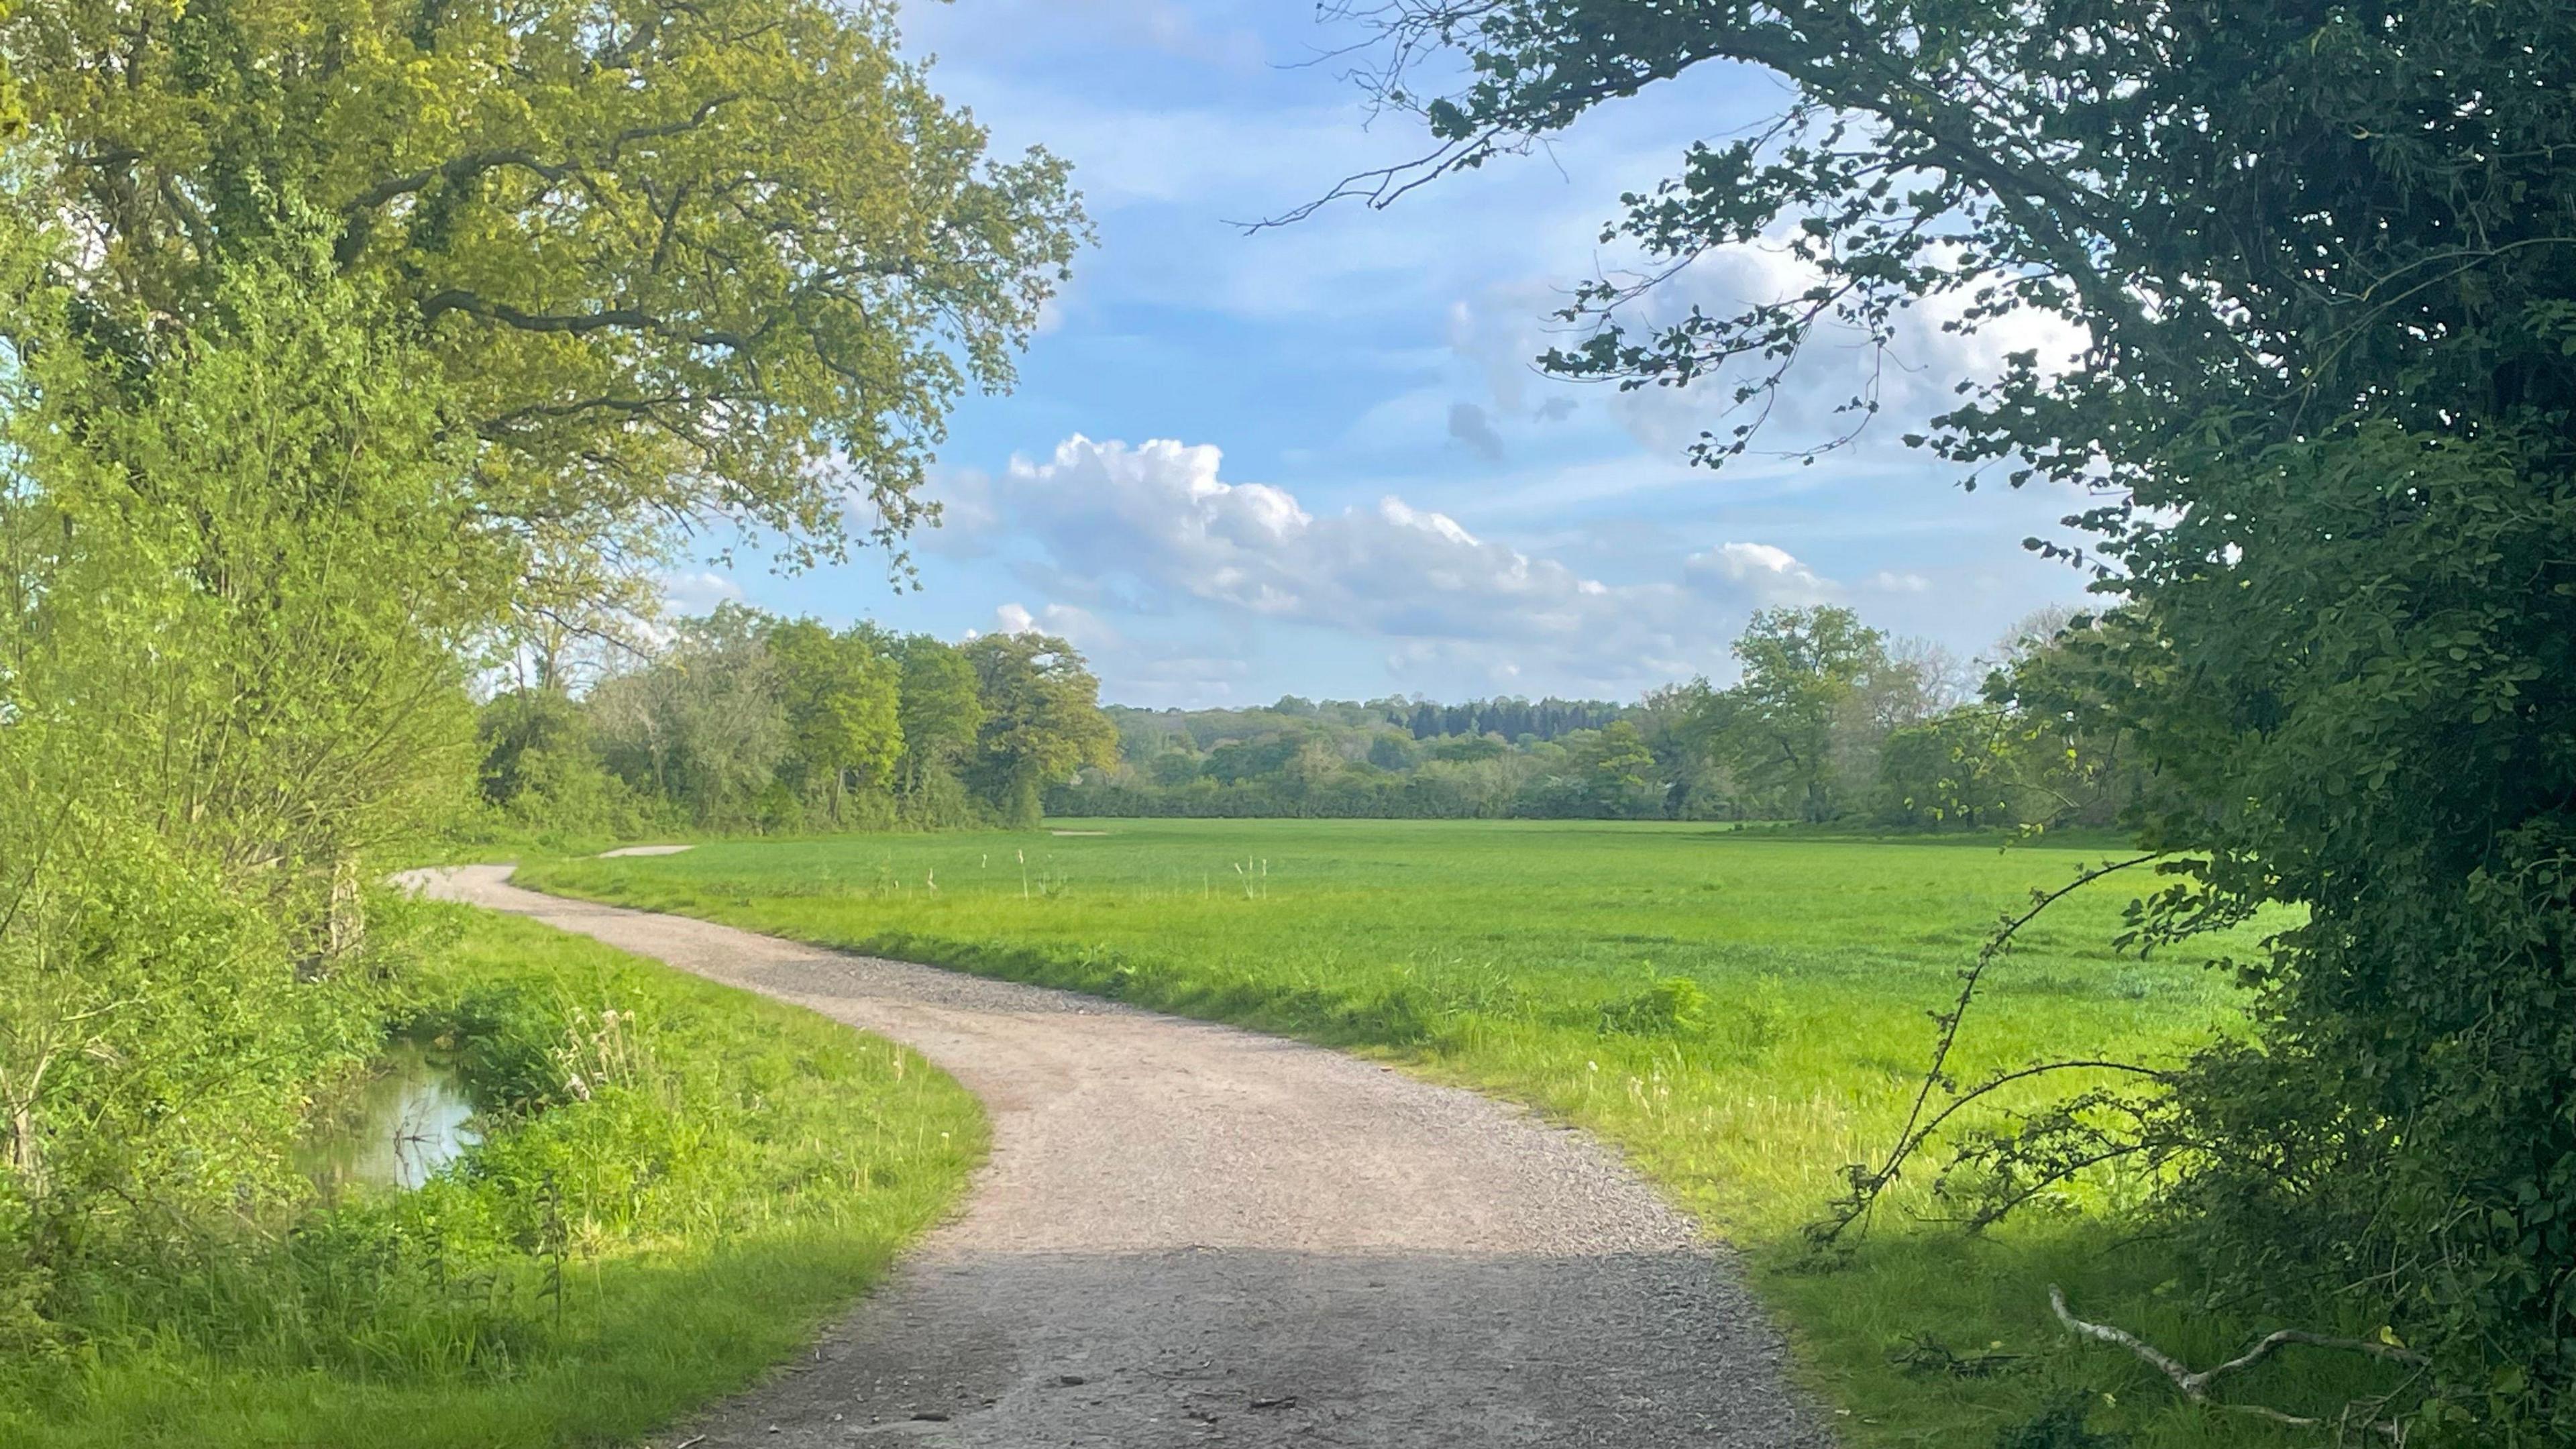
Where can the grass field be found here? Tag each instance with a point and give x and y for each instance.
(730, 1172)
(1535, 960)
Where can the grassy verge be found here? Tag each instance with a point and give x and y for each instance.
(1742, 1011)
(679, 1182)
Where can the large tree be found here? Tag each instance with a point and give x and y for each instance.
(2322, 260)
(722, 257)
(841, 698)
(941, 709)
(1042, 720)
(1775, 728)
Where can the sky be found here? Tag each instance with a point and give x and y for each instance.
(1316, 460)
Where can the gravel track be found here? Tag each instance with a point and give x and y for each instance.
(1193, 1235)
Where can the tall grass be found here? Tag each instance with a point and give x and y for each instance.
(679, 1181)
(1742, 1012)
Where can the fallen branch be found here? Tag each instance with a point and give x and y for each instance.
(2195, 1386)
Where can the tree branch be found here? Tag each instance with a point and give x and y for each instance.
(358, 221)
(578, 324)
(2195, 1386)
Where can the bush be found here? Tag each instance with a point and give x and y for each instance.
(661, 1155)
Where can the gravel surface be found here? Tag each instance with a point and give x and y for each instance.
(1193, 1235)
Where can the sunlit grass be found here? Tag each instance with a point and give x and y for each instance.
(1527, 958)
(757, 1179)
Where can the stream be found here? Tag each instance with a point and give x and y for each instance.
(397, 1129)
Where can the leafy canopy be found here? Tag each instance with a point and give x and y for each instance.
(1041, 719)
(674, 260)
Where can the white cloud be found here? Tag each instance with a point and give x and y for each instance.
(1509, 324)
(698, 591)
(1076, 626)
(1757, 571)
(1156, 530)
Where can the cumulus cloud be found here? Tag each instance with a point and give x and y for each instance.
(697, 591)
(1159, 529)
(1469, 425)
(1756, 571)
(1076, 626)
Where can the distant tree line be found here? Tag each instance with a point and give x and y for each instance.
(740, 720)
(1830, 720)
(1547, 719)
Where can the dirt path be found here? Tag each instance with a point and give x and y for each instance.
(1192, 1235)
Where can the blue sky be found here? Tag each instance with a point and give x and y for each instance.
(1315, 460)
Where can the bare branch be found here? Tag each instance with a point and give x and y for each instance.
(1867, 1183)
(2195, 1386)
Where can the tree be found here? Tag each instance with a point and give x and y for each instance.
(840, 696)
(541, 767)
(2319, 262)
(942, 712)
(728, 257)
(1042, 719)
(704, 725)
(1802, 668)
(1955, 769)
(1619, 775)
(276, 527)
(1391, 752)
(235, 597)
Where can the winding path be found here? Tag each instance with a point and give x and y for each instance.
(1193, 1235)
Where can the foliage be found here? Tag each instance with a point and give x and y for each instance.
(1675, 1005)
(745, 722)
(1509, 717)
(541, 766)
(1041, 719)
(1802, 670)
(2316, 258)
(1489, 953)
(706, 727)
(2378, 728)
(727, 1172)
(1802, 737)
(726, 257)
(237, 589)
(941, 711)
(841, 704)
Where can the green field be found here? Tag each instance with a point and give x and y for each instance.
(730, 1172)
(1530, 959)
